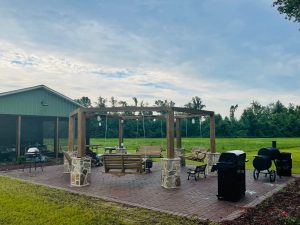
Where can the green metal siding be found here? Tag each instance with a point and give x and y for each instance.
(30, 103)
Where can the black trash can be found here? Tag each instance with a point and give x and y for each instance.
(284, 164)
(231, 175)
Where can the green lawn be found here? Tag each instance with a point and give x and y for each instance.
(249, 145)
(25, 203)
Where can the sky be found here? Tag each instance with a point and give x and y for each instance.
(227, 52)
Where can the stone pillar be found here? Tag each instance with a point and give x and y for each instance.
(67, 166)
(212, 158)
(179, 153)
(170, 173)
(80, 171)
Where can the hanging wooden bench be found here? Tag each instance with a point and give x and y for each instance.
(150, 151)
(197, 154)
(122, 162)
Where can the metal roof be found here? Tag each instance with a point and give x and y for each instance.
(36, 101)
(38, 87)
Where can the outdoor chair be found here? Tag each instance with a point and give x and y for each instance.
(196, 172)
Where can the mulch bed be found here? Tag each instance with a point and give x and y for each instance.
(282, 208)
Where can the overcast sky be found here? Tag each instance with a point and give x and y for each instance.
(225, 51)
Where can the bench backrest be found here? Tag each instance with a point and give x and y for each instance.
(122, 161)
(200, 168)
(153, 150)
(199, 149)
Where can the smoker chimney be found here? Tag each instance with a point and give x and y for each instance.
(273, 144)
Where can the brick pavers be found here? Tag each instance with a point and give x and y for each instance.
(193, 198)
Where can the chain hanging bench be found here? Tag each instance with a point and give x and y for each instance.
(197, 154)
(122, 162)
(150, 151)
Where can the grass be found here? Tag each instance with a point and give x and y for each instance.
(249, 145)
(25, 203)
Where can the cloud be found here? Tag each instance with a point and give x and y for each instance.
(152, 50)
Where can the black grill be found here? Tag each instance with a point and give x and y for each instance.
(231, 175)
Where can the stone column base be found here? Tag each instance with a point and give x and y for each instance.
(170, 173)
(67, 166)
(80, 171)
(179, 153)
(212, 159)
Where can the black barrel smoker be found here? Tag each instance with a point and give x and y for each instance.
(262, 163)
(231, 175)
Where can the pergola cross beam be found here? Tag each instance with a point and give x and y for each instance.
(169, 115)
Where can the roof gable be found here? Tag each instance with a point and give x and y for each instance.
(39, 100)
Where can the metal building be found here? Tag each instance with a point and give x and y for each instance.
(34, 116)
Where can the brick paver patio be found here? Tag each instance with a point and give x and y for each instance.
(193, 198)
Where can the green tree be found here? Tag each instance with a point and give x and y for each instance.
(113, 101)
(232, 110)
(101, 103)
(85, 101)
(196, 103)
(291, 9)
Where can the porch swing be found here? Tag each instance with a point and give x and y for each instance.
(123, 161)
(197, 154)
(149, 151)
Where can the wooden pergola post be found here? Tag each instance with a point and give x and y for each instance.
(71, 134)
(170, 135)
(81, 134)
(212, 134)
(178, 133)
(18, 136)
(121, 121)
(56, 137)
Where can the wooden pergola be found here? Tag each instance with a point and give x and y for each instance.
(81, 114)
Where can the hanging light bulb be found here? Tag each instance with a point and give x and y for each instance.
(193, 121)
(98, 118)
(154, 120)
(100, 124)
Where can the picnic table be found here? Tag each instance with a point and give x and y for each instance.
(115, 149)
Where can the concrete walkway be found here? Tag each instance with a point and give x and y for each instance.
(193, 198)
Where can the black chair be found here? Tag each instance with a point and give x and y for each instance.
(196, 172)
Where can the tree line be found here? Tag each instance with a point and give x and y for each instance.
(272, 120)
